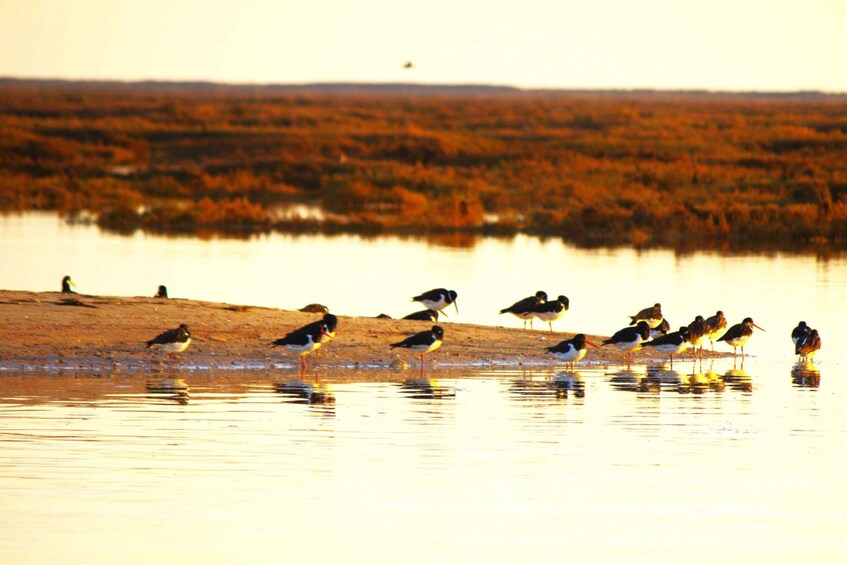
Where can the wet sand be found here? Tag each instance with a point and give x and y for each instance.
(50, 331)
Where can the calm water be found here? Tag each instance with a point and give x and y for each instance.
(611, 465)
(608, 465)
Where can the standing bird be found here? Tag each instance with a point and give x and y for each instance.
(630, 338)
(715, 327)
(438, 299)
(672, 343)
(553, 310)
(162, 292)
(428, 315)
(801, 331)
(525, 308)
(738, 334)
(571, 350)
(172, 341)
(652, 315)
(304, 340)
(697, 330)
(808, 345)
(423, 342)
(67, 283)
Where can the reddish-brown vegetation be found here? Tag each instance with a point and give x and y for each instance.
(611, 168)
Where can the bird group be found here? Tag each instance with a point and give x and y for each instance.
(647, 328)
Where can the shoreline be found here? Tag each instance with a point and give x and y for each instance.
(55, 332)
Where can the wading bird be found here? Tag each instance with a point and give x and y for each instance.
(554, 310)
(172, 341)
(738, 334)
(652, 315)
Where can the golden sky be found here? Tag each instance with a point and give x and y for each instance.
(772, 45)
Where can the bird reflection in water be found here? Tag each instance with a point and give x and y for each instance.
(425, 388)
(627, 379)
(701, 381)
(527, 388)
(568, 382)
(805, 374)
(737, 378)
(662, 377)
(169, 388)
(299, 391)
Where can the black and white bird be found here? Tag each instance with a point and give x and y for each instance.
(715, 327)
(738, 334)
(525, 307)
(630, 338)
(801, 331)
(428, 315)
(808, 345)
(570, 350)
(423, 342)
(672, 343)
(554, 310)
(307, 339)
(162, 292)
(67, 283)
(438, 299)
(172, 341)
(652, 315)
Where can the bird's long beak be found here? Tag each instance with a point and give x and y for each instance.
(592, 344)
(70, 282)
(456, 304)
(755, 326)
(323, 331)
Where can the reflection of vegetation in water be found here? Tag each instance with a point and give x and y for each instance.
(805, 374)
(644, 169)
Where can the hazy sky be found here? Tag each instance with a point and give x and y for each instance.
(712, 44)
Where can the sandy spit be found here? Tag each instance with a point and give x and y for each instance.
(49, 331)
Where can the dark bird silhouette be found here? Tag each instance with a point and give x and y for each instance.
(801, 331)
(715, 327)
(571, 350)
(315, 309)
(808, 345)
(738, 334)
(162, 292)
(407, 65)
(438, 299)
(67, 283)
(697, 333)
(423, 342)
(429, 315)
(553, 310)
(652, 315)
(172, 341)
(525, 307)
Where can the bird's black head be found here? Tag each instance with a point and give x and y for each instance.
(438, 332)
(541, 295)
(719, 314)
(684, 332)
(452, 295)
(802, 324)
(699, 319)
(564, 300)
(162, 292)
(747, 321)
(330, 322)
(643, 329)
(579, 341)
(183, 330)
(67, 283)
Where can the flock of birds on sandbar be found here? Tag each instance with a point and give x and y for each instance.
(647, 328)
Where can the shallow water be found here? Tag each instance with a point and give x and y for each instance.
(712, 462)
(607, 465)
